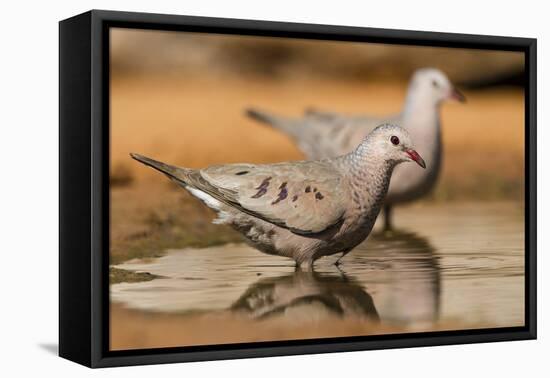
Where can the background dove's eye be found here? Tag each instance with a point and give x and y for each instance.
(394, 140)
(435, 84)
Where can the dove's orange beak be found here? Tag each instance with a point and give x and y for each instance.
(416, 157)
(457, 95)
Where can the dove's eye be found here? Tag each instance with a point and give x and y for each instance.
(394, 140)
(435, 84)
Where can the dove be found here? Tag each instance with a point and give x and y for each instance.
(323, 134)
(302, 210)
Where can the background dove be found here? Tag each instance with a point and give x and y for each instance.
(302, 210)
(322, 134)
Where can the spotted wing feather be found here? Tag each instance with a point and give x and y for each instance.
(305, 197)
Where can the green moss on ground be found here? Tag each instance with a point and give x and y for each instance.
(166, 231)
(121, 275)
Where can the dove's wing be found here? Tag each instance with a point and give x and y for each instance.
(321, 115)
(305, 197)
(364, 121)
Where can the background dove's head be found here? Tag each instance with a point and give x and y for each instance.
(390, 143)
(432, 84)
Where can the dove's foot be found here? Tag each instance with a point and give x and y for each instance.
(339, 261)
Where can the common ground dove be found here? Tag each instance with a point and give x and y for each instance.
(302, 210)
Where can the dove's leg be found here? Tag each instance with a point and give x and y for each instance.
(305, 265)
(342, 273)
(387, 218)
(344, 252)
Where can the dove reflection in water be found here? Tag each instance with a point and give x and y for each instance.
(406, 279)
(308, 293)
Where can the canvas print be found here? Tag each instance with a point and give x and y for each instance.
(274, 189)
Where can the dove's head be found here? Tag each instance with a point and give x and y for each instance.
(432, 85)
(390, 143)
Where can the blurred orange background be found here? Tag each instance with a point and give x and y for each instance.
(180, 98)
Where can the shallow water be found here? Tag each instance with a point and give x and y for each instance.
(456, 266)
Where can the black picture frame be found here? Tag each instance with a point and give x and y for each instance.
(84, 187)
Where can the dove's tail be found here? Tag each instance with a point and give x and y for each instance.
(287, 125)
(181, 175)
(188, 178)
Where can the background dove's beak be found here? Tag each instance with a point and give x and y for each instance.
(457, 95)
(416, 157)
